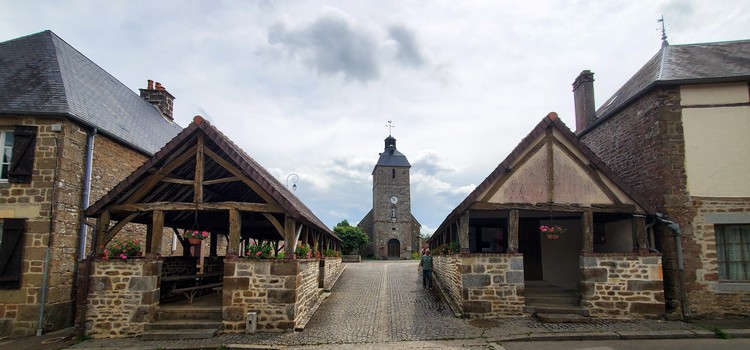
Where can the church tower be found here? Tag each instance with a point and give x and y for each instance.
(393, 231)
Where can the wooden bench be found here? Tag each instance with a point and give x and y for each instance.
(192, 284)
(190, 292)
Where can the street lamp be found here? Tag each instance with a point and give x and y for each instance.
(294, 178)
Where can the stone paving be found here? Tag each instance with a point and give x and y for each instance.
(381, 304)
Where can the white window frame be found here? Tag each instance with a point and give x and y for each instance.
(4, 136)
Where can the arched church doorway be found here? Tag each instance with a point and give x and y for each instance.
(394, 249)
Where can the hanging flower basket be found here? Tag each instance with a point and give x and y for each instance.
(552, 232)
(194, 236)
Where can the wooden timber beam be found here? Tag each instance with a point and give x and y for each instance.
(113, 231)
(102, 225)
(549, 140)
(463, 232)
(289, 236)
(205, 182)
(236, 172)
(198, 184)
(591, 171)
(276, 224)
(156, 231)
(155, 178)
(235, 227)
(587, 228)
(171, 206)
(513, 220)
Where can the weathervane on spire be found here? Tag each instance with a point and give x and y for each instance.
(663, 31)
(390, 127)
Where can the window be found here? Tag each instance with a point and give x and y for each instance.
(6, 140)
(11, 252)
(733, 252)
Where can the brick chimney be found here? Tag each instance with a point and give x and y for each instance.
(583, 97)
(158, 96)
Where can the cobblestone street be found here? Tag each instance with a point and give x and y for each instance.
(381, 304)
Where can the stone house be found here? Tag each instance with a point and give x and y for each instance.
(201, 180)
(510, 264)
(677, 133)
(70, 132)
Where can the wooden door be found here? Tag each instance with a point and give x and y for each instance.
(394, 248)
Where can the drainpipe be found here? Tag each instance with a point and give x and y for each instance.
(678, 246)
(45, 273)
(85, 200)
(83, 295)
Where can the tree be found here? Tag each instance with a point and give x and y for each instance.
(352, 237)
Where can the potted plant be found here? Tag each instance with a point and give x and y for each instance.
(122, 249)
(259, 251)
(194, 236)
(552, 232)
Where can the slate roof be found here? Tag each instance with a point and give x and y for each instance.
(236, 191)
(551, 120)
(683, 64)
(391, 156)
(41, 74)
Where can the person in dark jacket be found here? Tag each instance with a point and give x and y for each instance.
(426, 265)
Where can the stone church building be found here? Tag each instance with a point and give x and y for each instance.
(390, 225)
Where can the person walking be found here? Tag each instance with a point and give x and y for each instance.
(426, 265)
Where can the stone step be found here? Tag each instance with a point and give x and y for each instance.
(562, 318)
(563, 299)
(177, 325)
(190, 314)
(177, 335)
(558, 309)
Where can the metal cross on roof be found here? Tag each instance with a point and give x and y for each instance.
(390, 127)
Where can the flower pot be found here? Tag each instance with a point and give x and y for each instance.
(552, 236)
(194, 241)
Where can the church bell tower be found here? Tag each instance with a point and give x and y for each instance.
(393, 235)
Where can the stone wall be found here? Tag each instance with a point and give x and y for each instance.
(331, 272)
(267, 287)
(622, 285)
(123, 297)
(446, 271)
(491, 285)
(308, 293)
(707, 295)
(644, 145)
(19, 309)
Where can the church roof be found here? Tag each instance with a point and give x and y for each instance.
(41, 74)
(683, 64)
(391, 156)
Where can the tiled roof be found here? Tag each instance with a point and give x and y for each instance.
(680, 64)
(237, 191)
(550, 121)
(41, 74)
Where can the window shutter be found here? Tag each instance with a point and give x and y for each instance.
(11, 253)
(22, 160)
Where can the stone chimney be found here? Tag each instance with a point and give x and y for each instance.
(158, 96)
(583, 97)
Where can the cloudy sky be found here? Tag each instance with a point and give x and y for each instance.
(307, 87)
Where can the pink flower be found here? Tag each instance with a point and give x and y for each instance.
(123, 256)
(258, 254)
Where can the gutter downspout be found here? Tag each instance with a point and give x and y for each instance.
(82, 295)
(47, 258)
(678, 246)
